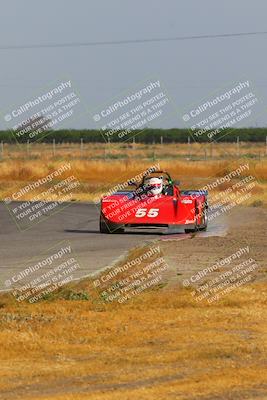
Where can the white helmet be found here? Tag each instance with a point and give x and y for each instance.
(155, 185)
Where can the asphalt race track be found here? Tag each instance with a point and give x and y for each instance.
(77, 224)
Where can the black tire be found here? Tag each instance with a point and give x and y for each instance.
(204, 222)
(107, 227)
(195, 229)
(103, 228)
(190, 230)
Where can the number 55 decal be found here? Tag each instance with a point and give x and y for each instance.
(142, 212)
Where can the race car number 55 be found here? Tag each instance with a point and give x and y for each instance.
(142, 212)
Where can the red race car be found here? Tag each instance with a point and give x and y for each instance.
(156, 202)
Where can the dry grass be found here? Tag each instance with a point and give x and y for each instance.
(137, 151)
(97, 175)
(161, 344)
(158, 345)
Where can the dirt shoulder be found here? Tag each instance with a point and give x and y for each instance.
(245, 228)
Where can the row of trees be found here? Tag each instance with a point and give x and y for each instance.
(146, 136)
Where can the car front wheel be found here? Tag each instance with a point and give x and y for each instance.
(108, 227)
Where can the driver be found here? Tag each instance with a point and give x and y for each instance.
(154, 186)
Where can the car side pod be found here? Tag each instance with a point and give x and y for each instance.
(175, 204)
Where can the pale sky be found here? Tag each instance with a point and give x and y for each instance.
(190, 70)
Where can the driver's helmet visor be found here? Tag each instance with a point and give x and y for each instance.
(154, 185)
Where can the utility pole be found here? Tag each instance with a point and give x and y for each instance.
(189, 147)
(81, 148)
(237, 146)
(211, 149)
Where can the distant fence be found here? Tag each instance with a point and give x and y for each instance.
(145, 136)
(86, 150)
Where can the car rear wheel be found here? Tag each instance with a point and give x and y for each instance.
(190, 230)
(204, 222)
